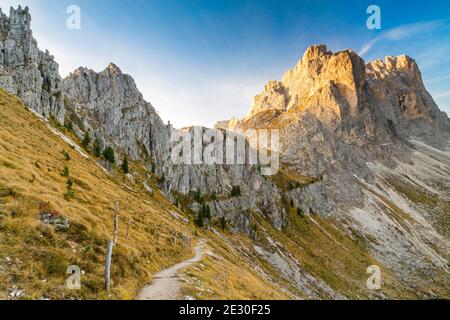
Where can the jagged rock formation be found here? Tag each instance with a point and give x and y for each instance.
(332, 109)
(25, 71)
(109, 105)
(347, 152)
(354, 129)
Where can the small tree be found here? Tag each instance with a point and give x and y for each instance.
(223, 223)
(198, 196)
(97, 150)
(124, 166)
(65, 172)
(236, 191)
(108, 153)
(66, 155)
(70, 192)
(86, 139)
(203, 215)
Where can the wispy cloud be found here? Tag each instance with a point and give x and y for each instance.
(443, 94)
(402, 32)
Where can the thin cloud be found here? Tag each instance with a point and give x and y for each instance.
(441, 95)
(402, 32)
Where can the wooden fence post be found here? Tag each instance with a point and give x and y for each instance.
(108, 265)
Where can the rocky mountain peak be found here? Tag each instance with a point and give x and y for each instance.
(113, 68)
(113, 108)
(26, 71)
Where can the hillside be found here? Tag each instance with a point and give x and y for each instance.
(363, 180)
(34, 255)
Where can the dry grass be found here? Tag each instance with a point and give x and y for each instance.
(225, 274)
(34, 256)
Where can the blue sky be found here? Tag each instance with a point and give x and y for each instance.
(202, 61)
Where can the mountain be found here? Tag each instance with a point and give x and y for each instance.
(110, 107)
(363, 178)
(25, 71)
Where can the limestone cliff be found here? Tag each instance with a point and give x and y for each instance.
(109, 105)
(25, 71)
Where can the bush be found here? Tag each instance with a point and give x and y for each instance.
(236, 191)
(86, 139)
(69, 183)
(124, 166)
(108, 153)
(97, 150)
(203, 215)
(70, 194)
(161, 179)
(293, 185)
(65, 172)
(66, 155)
(198, 196)
(223, 223)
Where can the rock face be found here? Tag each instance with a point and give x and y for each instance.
(375, 145)
(332, 109)
(25, 71)
(109, 105)
(363, 144)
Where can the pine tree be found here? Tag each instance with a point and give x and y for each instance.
(108, 153)
(97, 148)
(86, 139)
(124, 166)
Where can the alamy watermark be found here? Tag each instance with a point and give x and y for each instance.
(73, 282)
(74, 20)
(374, 281)
(201, 146)
(374, 20)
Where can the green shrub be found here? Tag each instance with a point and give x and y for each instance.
(236, 191)
(86, 139)
(203, 215)
(109, 155)
(97, 150)
(66, 155)
(65, 171)
(70, 193)
(9, 165)
(124, 166)
(223, 223)
(293, 185)
(161, 179)
(198, 196)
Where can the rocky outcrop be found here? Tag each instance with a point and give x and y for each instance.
(25, 71)
(332, 109)
(109, 105)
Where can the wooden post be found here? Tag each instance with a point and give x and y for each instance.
(108, 265)
(116, 222)
(128, 228)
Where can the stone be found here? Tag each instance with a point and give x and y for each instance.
(25, 71)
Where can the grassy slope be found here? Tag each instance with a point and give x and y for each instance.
(34, 256)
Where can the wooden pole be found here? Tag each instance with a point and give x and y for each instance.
(108, 265)
(116, 222)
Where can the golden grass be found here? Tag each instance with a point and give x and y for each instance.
(34, 257)
(226, 275)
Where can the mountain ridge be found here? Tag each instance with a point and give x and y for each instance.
(347, 155)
